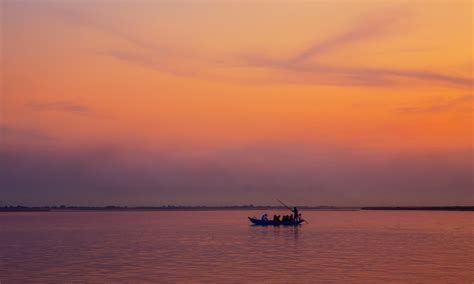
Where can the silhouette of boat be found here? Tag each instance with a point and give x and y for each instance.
(260, 222)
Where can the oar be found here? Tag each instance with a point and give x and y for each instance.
(289, 209)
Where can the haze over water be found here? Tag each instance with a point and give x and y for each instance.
(221, 246)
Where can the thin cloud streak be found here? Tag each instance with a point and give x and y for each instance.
(440, 107)
(354, 75)
(149, 54)
(370, 28)
(148, 60)
(367, 28)
(17, 133)
(69, 107)
(84, 20)
(65, 106)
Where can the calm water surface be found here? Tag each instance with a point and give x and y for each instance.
(220, 246)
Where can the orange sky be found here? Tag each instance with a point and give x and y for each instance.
(207, 77)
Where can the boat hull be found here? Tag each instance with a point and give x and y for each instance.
(259, 222)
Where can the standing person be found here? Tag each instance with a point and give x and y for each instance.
(295, 212)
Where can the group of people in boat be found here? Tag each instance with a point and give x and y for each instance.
(295, 217)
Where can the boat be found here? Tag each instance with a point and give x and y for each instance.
(260, 222)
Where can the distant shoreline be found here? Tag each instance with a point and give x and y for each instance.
(223, 208)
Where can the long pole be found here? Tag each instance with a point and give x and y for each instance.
(289, 209)
(284, 205)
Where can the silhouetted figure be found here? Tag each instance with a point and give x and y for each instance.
(278, 219)
(295, 212)
(265, 217)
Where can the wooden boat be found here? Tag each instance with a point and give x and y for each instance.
(260, 222)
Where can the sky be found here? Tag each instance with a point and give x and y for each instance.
(342, 103)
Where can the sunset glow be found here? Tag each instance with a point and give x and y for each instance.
(223, 102)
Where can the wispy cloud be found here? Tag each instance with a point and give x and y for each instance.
(150, 60)
(367, 28)
(81, 18)
(68, 107)
(299, 68)
(442, 106)
(145, 53)
(61, 106)
(335, 75)
(9, 131)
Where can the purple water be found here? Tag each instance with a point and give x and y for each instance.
(221, 246)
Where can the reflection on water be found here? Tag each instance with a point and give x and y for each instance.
(268, 232)
(170, 247)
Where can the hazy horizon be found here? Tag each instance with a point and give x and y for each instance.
(236, 206)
